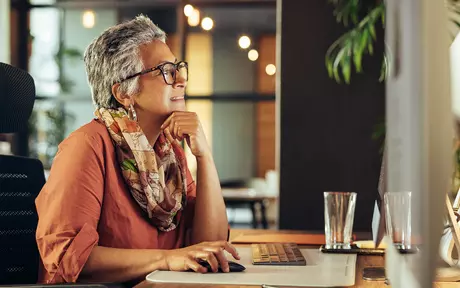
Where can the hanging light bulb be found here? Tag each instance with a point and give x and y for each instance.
(188, 10)
(194, 18)
(207, 23)
(244, 42)
(270, 69)
(88, 19)
(253, 55)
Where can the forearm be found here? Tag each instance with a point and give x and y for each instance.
(210, 220)
(121, 265)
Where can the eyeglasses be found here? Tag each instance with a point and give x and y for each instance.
(169, 71)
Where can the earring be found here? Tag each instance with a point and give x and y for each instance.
(132, 113)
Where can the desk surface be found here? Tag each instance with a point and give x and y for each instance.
(245, 194)
(363, 261)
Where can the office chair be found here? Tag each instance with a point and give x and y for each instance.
(21, 179)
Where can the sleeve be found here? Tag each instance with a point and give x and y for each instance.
(69, 207)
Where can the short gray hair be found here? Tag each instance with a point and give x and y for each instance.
(114, 55)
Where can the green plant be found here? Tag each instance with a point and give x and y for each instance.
(363, 16)
(59, 119)
(71, 54)
(350, 48)
(348, 51)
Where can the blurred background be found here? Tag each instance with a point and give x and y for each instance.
(231, 50)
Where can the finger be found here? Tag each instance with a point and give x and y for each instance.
(167, 121)
(180, 134)
(176, 114)
(192, 264)
(219, 254)
(175, 125)
(231, 249)
(187, 129)
(176, 129)
(168, 135)
(210, 258)
(171, 127)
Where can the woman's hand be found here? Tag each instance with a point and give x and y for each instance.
(183, 124)
(187, 258)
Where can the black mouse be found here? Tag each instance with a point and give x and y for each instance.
(233, 266)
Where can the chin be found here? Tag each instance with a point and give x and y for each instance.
(178, 106)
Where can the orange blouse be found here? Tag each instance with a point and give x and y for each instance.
(85, 202)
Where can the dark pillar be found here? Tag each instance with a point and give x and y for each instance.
(326, 128)
(20, 140)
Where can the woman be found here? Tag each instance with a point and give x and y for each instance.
(114, 208)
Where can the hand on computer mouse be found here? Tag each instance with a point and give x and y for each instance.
(212, 252)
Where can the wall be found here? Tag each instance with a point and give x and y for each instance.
(78, 37)
(233, 122)
(325, 128)
(5, 31)
(455, 73)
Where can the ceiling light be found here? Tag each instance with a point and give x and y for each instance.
(194, 18)
(88, 19)
(270, 69)
(253, 55)
(207, 23)
(188, 10)
(244, 42)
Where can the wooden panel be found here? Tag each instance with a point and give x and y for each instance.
(265, 111)
(267, 55)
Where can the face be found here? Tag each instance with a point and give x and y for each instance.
(157, 100)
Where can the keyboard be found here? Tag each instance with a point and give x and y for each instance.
(283, 254)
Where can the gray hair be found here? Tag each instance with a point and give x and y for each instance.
(114, 55)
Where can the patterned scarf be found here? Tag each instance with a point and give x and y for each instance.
(156, 176)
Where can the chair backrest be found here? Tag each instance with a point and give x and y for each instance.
(21, 179)
(17, 95)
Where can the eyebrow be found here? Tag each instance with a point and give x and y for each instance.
(166, 61)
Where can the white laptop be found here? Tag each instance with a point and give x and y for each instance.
(322, 270)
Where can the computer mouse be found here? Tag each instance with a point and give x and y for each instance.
(234, 267)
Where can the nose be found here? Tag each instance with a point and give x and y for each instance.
(180, 82)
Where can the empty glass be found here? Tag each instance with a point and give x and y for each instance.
(398, 218)
(339, 212)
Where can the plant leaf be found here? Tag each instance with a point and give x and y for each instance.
(370, 48)
(456, 22)
(372, 31)
(346, 69)
(329, 66)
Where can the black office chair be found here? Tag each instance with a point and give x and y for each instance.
(21, 179)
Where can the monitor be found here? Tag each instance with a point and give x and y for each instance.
(419, 129)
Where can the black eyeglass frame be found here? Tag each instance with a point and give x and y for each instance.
(160, 67)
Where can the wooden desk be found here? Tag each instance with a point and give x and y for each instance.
(362, 262)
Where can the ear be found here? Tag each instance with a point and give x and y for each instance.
(123, 99)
